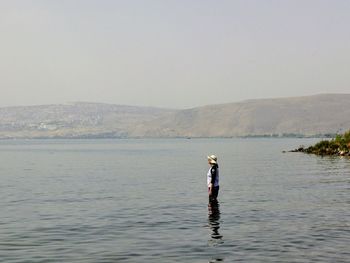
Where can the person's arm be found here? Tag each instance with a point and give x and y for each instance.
(213, 178)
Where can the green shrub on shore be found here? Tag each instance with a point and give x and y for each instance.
(340, 145)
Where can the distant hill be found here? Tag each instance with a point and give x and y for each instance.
(306, 116)
(74, 120)
(299, 116)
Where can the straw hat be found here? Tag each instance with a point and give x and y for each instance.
(212, 159)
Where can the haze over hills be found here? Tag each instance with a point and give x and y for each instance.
(304, 116)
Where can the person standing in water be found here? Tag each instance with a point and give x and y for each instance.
(213, 178)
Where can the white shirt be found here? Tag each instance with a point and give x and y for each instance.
(209, 176)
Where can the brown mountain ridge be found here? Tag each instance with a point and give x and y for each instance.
(297, 116)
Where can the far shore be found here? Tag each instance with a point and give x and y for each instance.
(101, 136)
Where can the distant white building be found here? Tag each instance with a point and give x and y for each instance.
(50, 127)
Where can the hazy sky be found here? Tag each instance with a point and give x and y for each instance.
(171, 53)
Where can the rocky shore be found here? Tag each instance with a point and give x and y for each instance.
(339, 146)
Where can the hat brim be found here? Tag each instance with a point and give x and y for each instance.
(211, 160)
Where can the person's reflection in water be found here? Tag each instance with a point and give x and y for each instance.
(214, 219)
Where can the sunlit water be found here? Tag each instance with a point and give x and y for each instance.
(146, 201)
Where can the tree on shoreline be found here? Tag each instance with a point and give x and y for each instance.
(339, 146)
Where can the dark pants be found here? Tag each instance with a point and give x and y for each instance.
(214, 194)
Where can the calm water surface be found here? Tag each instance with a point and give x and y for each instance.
(146, 201)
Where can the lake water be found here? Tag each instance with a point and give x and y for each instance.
(146, 201)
